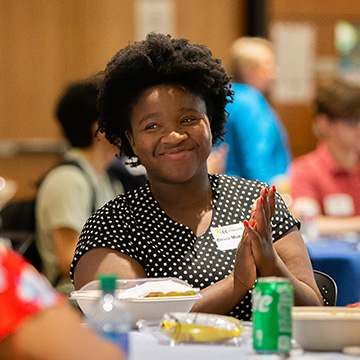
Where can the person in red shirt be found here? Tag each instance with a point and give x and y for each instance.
(326, 181)
(36, 322)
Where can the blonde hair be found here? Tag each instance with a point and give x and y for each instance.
(245, 53)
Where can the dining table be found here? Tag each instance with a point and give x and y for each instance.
(156, 346)
(339, 258)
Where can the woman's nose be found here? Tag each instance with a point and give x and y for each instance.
(174, 136)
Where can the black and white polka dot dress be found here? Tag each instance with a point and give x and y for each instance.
(134, 224)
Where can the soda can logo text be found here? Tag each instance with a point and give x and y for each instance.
(262, 303)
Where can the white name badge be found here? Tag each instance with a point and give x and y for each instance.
(339, 205)
(228, 237)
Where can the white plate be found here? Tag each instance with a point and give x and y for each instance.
(141, 308)
(326, 328)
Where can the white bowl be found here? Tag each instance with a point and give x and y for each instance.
(141, 308)
(326, 328)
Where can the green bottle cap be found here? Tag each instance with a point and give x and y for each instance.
(108, 282)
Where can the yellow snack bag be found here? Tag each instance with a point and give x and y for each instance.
(200, 327)
(172, 293)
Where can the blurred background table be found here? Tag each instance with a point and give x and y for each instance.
(341, 260)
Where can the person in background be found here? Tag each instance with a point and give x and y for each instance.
(326, 182)
(258, 142)
(37, 323)
(69, 194)
(163, 104)
(130, 177)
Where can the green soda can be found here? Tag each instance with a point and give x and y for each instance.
(272, 301)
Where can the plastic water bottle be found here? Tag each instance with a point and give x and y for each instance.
(109, 317)
(309, 228)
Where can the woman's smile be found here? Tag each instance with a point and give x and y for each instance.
(176, 153)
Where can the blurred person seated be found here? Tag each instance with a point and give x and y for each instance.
(326, 182)
(37, 323)
(68, 195)
(163, 104)
(258, 142)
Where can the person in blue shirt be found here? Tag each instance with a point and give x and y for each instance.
(258, 146)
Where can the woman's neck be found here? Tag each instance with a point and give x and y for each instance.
(189, 203)
(181, 195)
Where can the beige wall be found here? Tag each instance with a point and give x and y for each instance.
(44, 44)
(322, 15)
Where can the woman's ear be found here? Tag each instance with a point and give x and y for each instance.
(130, 137)
(321, 125)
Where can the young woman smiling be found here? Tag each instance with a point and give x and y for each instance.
(162, 103)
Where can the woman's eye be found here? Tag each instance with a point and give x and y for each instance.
(150, 127)
(187, 120)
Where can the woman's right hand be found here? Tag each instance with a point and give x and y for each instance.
(256, 240)
(244, 271)
(261, 232)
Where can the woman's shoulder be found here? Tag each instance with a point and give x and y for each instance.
(126, 203)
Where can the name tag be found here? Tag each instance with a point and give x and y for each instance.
(339, 205)
(227, 237)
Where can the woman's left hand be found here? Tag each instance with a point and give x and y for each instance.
(260, 231)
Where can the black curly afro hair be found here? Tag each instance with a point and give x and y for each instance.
(160, 60)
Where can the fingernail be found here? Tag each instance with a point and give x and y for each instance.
(262, 199)
(253, 223)
(266, 190)
(246, 224)
(274, 188)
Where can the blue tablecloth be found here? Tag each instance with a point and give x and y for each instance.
(341, 260)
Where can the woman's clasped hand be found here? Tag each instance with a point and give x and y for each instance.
(256, 246)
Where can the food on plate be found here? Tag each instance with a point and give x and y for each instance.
(171, 293)
(200, 327)
(158, 288)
